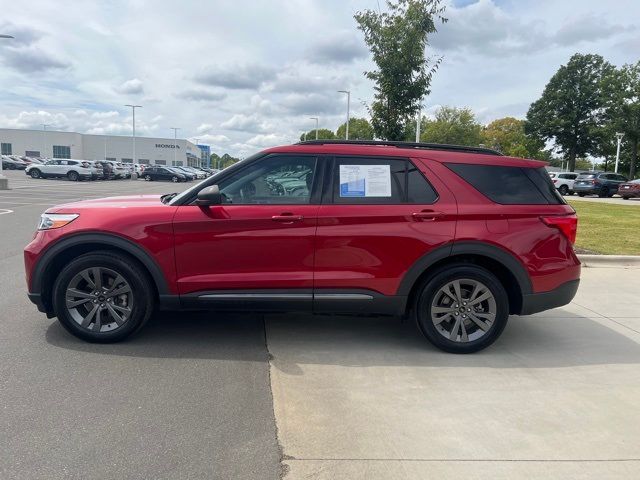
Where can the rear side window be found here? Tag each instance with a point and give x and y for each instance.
(510, 185)
(380, 181)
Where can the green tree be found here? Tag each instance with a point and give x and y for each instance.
(456, 126)
(323, 134)
(359, 129)
(398, 40)
(508, 136)
(621, 90)
(569, 112)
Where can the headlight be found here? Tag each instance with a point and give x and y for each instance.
(55, 220)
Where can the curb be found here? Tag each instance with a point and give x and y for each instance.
(609, 260)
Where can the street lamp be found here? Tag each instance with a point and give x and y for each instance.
(619, 137)
(175, 139)
(133, 136)
(348, 92)
(4, 182)
(316, 119)
(44, 140)
(418, 122)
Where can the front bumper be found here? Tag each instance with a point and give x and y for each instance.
(538, 302)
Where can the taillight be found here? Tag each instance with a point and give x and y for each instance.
(567, 224)
(555, 181)
(85, 164)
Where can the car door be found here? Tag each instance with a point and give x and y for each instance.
(258, 245)
(377, 218)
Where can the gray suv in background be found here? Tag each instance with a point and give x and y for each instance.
(598, 183)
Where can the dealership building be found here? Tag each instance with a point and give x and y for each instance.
(149, 151)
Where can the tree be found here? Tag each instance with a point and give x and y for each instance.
(323, 134)
(569, 112)
(359, 129)
(621, 90)
(398, 40)
(507, 135)
(456, 126)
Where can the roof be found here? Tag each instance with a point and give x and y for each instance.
(425, 151)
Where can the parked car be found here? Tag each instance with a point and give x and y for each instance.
(199, 174)
(155, 172)
(119, 170)
(74, 170)
(598, 183)
(10, 163)
(187, 173)
(564, 181)
(630, 189)
(107, 169)
(450, 236)
(97, 170)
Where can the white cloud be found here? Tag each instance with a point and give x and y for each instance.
(131, 87)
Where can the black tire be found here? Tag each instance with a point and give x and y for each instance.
(431, 288)
(564, 190)
(35, 173)
(604, 192)
(581, 194)
(12, 166)
(147, 178)
(625, 198)
(130, 271)
(175, 179)
(73, 176)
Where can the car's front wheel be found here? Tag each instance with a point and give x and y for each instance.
(35, 173)
(175, 179)
(564, 190)
(462, 308)
(147, 178)
(102, 297)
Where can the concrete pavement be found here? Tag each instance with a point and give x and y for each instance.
(555, 397)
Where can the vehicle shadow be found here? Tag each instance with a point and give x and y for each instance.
(545, 341)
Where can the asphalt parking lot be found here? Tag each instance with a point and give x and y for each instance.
(256, 397)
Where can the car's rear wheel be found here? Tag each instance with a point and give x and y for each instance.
(12, 166)
(35, 173)
(73, 176)
(604, 192)
(564, 190)
(147, 178)
(102, 297)
(581, 194)
(462, 308)
(625, 198)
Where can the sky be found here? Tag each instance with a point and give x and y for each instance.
(241, 76)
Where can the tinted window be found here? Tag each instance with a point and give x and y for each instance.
(272, 180)
(584, 176)
(397, 181)
(621, 178)
(510, 185)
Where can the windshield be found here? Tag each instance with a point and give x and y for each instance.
(212, 180)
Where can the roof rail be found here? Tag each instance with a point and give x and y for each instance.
(385, 143)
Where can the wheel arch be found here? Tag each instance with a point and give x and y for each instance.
(58, 255)
(509, 270)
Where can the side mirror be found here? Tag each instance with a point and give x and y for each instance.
(209, 196)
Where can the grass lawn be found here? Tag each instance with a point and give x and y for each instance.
(608, 228)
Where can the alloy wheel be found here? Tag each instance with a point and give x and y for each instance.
(463, 310)
(99, 299)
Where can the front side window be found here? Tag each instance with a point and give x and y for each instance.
(271, 180)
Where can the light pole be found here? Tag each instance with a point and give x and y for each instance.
(44, 140)
(175, 139)
(619, 137)
(418, 122)
(4, 182)
(348, 92)
(316, 119)
(133, 136)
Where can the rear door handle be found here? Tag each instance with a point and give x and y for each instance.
(287, 218)
(427, 215)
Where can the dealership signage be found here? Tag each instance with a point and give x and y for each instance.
(167, 145)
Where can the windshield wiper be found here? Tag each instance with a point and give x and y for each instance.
(167, 197)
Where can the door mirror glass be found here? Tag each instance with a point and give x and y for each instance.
(209, 196)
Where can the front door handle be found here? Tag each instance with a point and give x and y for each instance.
(287, 218)
(427, 215)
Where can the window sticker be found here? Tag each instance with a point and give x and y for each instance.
(365, 180)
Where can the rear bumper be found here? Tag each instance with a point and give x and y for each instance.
(538, 302)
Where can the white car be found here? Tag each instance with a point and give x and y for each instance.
(564, 181)
(74, 170)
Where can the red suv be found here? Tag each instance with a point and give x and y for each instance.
(456, 237)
